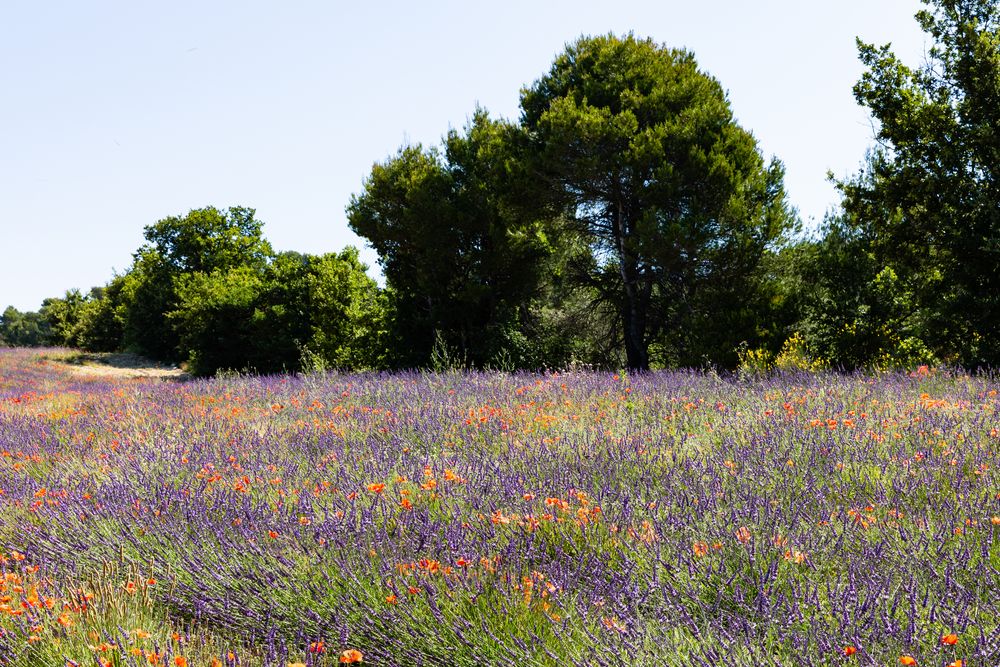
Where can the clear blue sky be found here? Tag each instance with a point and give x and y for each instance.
(117, 114)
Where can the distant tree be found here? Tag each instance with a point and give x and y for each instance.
(461, 253)
(101, 324)
(671, 192)
(62, 317)
(322, 309)
(204, 241)
(26, 329)
(208, 239)
(214, 317)
(929, 195)
(851, 310)
(148, 293)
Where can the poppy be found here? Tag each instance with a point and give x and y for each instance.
(850, 650)
(907, 660)
(351, 656)
(949, 639)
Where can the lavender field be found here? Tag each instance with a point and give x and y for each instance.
(498, 519)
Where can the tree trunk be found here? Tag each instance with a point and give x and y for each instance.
(636, 348)
(633, 305)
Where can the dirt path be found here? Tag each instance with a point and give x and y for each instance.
(117, 365)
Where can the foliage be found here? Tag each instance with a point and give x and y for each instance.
(461, 251)
(19, 329)
(207, 240)
(671, 193)
(853, 311)
(795, 356)
(754, 362)
(62, 315)
(927, 197)
(101, 324)
(322, 306)
(204, 241)
(214, 317)
(324, 309)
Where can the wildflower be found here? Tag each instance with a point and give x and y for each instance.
(272, 534)
(949, 639)
(797, 557)
(699, 548)
(376, 488)
(351, 656)
(907, 660)
(317, 647)
(461, 562)
(391, 599)
(180, 661)
(613, 623)
(956, 663)
(743, 534)
(849, 650)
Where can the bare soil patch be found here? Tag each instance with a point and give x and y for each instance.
(116, 364)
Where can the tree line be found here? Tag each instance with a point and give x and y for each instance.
(625, 219)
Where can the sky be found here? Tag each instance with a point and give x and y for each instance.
(114, 115)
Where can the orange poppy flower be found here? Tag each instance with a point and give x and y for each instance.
(180, 661)
(376, 488)
(743, 534)
(950, 639)
(850, 650)
(351, 656)
(907, 660)
(956, 663)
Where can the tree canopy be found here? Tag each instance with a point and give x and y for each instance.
(929, 194)
(670, 192)
(461, 253)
